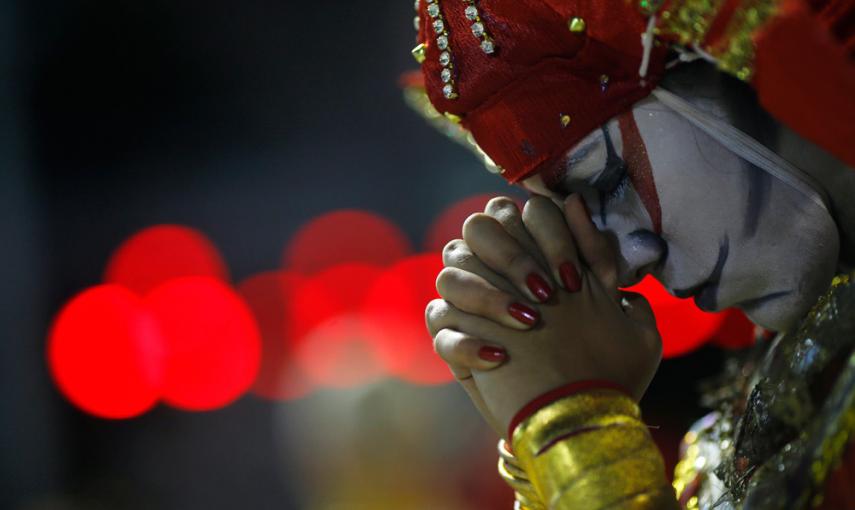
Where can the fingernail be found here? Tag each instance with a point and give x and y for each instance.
(570, 277)
(523, 313)
(492, 354)
(538, 286)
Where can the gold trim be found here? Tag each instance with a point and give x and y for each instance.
(690, 20)
(738, 57)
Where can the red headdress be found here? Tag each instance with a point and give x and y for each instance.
(525, 80)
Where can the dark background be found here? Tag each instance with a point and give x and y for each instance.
(243, 120)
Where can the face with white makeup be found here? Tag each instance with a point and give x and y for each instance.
(708, 225)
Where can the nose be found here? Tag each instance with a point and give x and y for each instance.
(641, 253)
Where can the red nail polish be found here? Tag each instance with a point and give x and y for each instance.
(523, 313)
(492, 354)
(570, 277)
(538, 286)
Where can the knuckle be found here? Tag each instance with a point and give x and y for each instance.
(475, 222)
(452, 247)
(458, 255)
(536, 206)
(446, 278)
(440, 341)
(436, 310)
(607, 273)
(501, 206)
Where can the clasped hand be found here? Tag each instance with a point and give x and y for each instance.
(530, 302)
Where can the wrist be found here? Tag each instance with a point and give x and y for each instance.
(553, 395)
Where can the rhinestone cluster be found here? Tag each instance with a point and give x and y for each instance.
(442, 43)
(417, 20)
(478, 30)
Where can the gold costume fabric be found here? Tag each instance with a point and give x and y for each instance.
(784, 414)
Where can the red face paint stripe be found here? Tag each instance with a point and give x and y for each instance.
(640, 172)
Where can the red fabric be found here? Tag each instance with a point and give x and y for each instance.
(556, 394)
(513, 101)
(805, 72)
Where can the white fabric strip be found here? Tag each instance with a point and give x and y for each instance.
(743, 146)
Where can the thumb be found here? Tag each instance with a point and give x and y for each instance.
(638, 308)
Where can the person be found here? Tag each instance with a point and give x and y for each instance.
(703, 143)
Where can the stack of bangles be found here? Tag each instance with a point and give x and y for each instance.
(584, 446)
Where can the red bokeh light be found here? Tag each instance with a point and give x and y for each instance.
(449, 223)
(736, 331)
(160, 253)
(394, 313)
(213, 344)
(683, 326)
(333, 346)
(270, 296)
(105, 353)
(343, 237)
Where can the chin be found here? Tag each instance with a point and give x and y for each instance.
(780, 314)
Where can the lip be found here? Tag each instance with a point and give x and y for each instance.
(705, 299)
(706, 292)
(704, 295)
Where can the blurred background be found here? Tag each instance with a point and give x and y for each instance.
(221, 226)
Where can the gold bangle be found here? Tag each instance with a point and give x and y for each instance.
(591, 450)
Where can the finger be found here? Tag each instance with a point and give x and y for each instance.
(466, 353)
(475, 295)
(593, 246)
(507, 213)
(489, 241)
(547, 225)
(440, 314)
(457, 254)
(448, 340)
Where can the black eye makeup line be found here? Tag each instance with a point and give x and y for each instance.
(611, 176)
(708, 300)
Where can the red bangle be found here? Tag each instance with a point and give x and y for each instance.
(559, 393)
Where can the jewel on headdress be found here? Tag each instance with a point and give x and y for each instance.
(565, 120)
(478, 29)
(577, 25)
(417, 20)
(445, 59)
(419, 53)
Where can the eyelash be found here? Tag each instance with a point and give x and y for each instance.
(618, 191)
